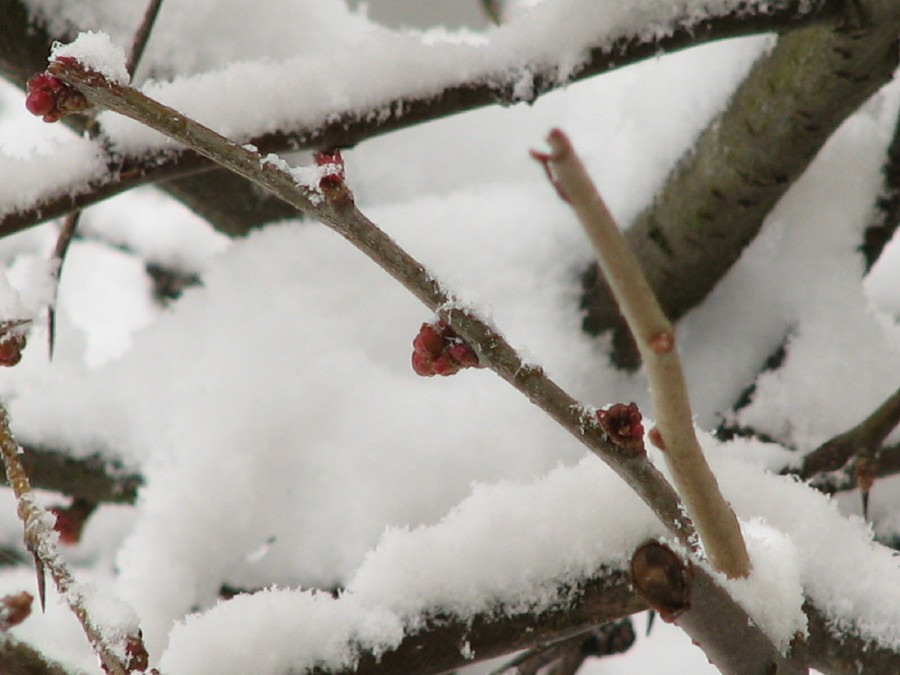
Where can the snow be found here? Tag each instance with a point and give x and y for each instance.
(96, 52)
(285, 443)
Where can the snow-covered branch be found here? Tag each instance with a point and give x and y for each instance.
(517, 71)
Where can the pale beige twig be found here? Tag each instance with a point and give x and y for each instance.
(716, 523)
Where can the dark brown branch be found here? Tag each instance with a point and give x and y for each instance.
(96, 478)
(19, 658)
(142, 35)
(718, 196)
(347, 129)
(615, 637)
(607, 596)
(688, 596)
(437, 648)
(885, 463)
(863, 439)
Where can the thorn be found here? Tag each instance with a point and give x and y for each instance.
(41, 578)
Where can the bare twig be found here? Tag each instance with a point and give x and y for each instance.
(862, 440)
(120, 654)
(715, 521)
(66, 233)
(614, 637)
(142, 35)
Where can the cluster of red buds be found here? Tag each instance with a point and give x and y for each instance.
(438, 350)
(51, 98)
(333, 163)
(622, 424)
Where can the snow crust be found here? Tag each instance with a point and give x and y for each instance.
(285, 443)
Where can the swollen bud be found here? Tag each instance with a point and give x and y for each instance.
(438, 350)
(51, 98)
(622, 424)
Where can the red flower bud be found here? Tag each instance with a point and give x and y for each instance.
(622, 424)
(438, 350)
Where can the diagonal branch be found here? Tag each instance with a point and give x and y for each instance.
(120, 648)
(330, 201)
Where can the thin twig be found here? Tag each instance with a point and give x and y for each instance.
(716, 523)
(863, 439)
(66, 234)
(335, 208)
(119, 657)
(141, 36)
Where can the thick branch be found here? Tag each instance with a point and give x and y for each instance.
(234, 206)
(887, 214)
(20, 658)
(716, 199)
(438, 647)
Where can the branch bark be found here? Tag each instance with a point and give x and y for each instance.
(606, 596)
(716, 199)
(687, 595)
(234, 206)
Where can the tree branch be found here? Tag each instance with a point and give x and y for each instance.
(233, 206)
(863, 439)
(687, 595)
(606, 596)
(716, 199)
(119, 652)
(715, 521)
(887, 214)
(332, 204)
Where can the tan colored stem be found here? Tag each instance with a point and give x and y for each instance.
(716, 523)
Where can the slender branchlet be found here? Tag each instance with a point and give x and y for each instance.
(119, 656)
(716, 523)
